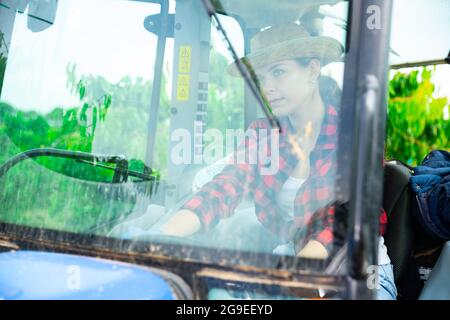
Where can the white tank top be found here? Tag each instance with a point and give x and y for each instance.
(285, 198)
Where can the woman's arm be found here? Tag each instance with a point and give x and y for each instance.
(182, 224)
(313, 250)
(218, 198)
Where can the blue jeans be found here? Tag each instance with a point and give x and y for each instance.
(387, 289)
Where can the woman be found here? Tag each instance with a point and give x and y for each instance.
(294, 203)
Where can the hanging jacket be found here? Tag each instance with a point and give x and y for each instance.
(431, 184)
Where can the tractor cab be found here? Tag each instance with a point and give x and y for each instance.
(116, 115)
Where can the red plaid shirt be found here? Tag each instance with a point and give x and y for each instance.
(313, 209)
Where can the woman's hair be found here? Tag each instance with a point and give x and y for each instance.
(328, 87)
(330, 91)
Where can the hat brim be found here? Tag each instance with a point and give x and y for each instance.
(326, 49)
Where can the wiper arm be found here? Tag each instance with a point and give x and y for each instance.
(245, 69)
(131, 173)
(121, 171)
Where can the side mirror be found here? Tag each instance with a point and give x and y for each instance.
(41, 14)
(18, 5)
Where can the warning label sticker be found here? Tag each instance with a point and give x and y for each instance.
(183, 87)
(184, 68)
(185, 59)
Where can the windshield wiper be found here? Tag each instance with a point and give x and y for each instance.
(245, 69)
(121, 171)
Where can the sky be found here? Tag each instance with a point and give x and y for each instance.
(415, 38)
(107, 38)
(112, 45)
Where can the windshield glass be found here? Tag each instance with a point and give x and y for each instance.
(169, 139)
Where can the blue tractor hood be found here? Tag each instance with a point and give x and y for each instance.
(44, 275)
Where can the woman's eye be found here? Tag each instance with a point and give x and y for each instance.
(277, 72)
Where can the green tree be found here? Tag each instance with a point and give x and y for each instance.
(225, 96)
(35, 196)
(416, 122)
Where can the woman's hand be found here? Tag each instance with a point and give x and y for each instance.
(183, 223)
(313, 250)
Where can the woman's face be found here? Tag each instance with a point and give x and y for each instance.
(287, 85)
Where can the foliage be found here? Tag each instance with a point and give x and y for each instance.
(70, 129)
(225, 97)
(35, 196)
(416, 122)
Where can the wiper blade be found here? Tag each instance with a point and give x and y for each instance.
(121, 171)
(245, 69)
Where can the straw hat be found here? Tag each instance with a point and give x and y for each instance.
(288, 41)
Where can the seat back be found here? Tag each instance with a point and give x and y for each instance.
(410, 248)
(438, 284)
(398, 199)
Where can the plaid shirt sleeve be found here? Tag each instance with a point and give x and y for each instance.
(218, 198)
(321, 227)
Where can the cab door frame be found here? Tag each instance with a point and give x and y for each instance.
(362, 136)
